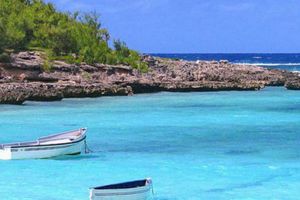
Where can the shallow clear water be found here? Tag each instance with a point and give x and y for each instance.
(210, 145)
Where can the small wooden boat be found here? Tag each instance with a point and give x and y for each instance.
(67, 143)
(133, 190)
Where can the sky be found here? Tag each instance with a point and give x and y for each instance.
(198, 26)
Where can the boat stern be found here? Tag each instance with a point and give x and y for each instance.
(5, 154)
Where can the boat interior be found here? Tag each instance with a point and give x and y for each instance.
(126, 185)
(51, 139)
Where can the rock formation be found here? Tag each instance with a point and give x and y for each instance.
(26, 78)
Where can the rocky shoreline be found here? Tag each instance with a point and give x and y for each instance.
(25, 78)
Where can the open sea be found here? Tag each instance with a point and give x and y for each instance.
(284, 61)
(207, 145)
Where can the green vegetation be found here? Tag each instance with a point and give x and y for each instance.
(47, 66)
(4, 58)
(73, 37)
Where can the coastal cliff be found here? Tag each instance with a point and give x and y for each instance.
(25, 77)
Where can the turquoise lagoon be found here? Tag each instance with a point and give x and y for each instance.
(210, 145)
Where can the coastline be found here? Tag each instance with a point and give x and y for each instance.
(25, 78)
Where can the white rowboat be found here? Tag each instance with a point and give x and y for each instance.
(67, 143)
(133, 190)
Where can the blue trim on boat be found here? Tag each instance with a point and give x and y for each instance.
(125, 185)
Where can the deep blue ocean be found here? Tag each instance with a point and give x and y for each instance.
(278, 61)
(201, 145)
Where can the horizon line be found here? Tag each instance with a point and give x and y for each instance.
(226, 53)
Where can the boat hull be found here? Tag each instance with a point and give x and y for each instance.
(141, 193)
(42, 151)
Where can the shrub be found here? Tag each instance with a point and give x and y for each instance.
(4, 58)
(47, 66)
(35, 24)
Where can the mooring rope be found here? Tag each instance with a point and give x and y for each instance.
(152, 190)
(86, 148)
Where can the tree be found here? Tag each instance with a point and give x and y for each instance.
(35, 24)
(121, 48)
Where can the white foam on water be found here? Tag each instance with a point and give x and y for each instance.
(270, 64)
